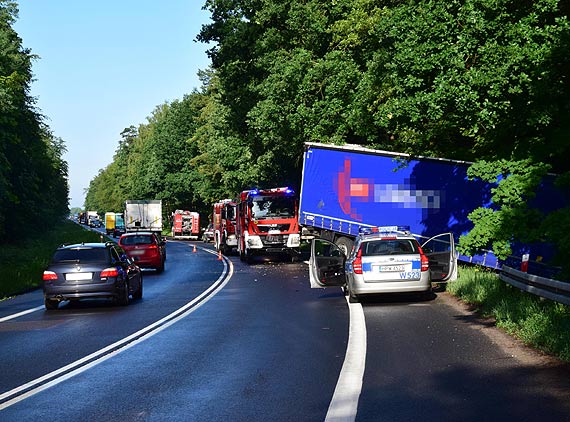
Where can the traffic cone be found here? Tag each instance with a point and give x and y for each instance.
(194, 250)
(219, 255)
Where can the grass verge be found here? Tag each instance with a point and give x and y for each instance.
(23, 262)
(539, 323)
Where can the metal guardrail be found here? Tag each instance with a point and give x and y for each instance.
(558, 291)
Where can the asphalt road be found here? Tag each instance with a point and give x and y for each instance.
(219, 340)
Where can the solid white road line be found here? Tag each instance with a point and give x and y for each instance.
(344, 404)
(81, 365)
(19, 314)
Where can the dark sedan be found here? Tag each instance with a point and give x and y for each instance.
(91, 270)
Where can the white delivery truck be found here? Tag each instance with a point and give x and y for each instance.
(143, 215)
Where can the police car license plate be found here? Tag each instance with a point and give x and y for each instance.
(392, 268)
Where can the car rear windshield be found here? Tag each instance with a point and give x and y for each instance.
(137, 240)
(80, 255)
(390, 247)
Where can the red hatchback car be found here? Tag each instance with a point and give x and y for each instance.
(147, 249)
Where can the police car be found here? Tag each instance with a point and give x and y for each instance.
(385, 259)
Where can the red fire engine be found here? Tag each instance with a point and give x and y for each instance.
(185, 224)
(267, 223)
(224, 220)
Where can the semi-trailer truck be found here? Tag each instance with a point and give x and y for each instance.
(348, 188)
(143, 215)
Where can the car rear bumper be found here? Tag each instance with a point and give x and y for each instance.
(81, 291)
(422, 285)
(147, 263)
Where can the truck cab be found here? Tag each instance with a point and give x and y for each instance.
(224, 225)
(267, 223)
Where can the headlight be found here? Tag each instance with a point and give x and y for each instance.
(254, 242)
(294, 241)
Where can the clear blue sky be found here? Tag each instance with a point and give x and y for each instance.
(106, 65)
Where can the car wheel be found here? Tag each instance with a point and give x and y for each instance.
(51, 304)
(139, 293)
(160, 268)
(123, 298)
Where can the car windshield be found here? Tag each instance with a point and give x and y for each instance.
(389, 247)
(136, 240)
(272, 207)
(80, 255)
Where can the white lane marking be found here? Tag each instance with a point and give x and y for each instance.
(19, 314)
(344, 404)
(102, 355)
(39, 308)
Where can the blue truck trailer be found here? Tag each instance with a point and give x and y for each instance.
(346, 188)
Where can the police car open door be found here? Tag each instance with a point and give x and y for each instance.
(440, 250)
(326, 265)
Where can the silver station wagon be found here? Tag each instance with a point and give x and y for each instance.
(383, 260)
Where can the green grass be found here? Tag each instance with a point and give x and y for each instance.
(540, 323)
(24, 261)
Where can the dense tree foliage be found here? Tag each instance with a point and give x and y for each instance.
(476, 80)
(33, 174)
(155, 160)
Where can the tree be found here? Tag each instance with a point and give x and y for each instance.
(33, 175)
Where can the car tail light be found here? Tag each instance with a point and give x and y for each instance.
(357, 263)
(425, 260)
(49, 276)
(109, 272)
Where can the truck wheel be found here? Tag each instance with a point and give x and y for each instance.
(345, 245)
(241, 252)
(225, 249)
